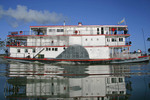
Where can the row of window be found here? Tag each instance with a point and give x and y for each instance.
(51, 49)
(114, 39)
(108, 92)
(56, 30)
(26, 50)
(114, 80)
(33, 50)
(108, 39)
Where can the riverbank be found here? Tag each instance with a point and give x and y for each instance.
(2, 55)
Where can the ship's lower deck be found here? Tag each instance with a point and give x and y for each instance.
(82, 61)
(76, 54)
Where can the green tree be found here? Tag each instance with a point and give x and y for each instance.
(2, 44)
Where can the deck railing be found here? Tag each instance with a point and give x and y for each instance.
(67, 32)
(19, 33)
(127, 55)
(37, 43)
(50, 43)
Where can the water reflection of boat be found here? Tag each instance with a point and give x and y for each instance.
(70, 82)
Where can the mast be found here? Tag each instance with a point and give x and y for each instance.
(64, 27)
(144, 40)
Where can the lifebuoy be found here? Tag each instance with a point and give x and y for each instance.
(113, 29)
(76, 31)
(21, 32)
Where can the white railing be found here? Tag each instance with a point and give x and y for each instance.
(37, 44)
(20, 55)
(66, 32)
(126, 55)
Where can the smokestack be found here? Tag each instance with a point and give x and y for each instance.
(64, 23)
(80, 23)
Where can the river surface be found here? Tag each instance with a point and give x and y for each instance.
(34, 81)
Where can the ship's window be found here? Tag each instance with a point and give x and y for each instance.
(49, 49)
(56, 49)
(26, 50)
(113, 40)
(97, 39)
(33, 50)
(85, 39)
(18, 50)
(108, 40)
(51, 30)
(121, 39)
(102, 30)
(97, 31)
(53, 49)
(113, 80)
(108, 81)
(120, 80)
(114, 92)
(91, 39)
(121, 92)
(60, 30)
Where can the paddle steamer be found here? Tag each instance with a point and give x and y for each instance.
(73, 43)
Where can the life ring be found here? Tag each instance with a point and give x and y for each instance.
(75, 31)
(21, 32)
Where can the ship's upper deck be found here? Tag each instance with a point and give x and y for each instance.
(121, 30)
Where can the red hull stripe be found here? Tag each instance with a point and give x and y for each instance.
(45, 59)
(68, 46)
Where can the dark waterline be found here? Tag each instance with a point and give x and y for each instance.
(28, 81)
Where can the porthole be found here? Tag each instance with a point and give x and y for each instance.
(53, 49)
(18, 50)
(47, 49)
(33, 51)
(56, 49)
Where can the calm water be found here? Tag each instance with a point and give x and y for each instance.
(31, 81)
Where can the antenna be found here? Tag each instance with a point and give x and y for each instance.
(144, 40)
(64, 27)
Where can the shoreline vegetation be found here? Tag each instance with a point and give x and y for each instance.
(2, 55)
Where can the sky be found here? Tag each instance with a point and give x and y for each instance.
(18, 15)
